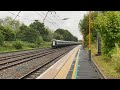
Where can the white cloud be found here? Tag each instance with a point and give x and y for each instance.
(53, 21)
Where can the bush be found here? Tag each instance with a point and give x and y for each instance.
(28, 34)
(1, 39)
(116, 58)
(7, 44)
(108, 26)
(39, 40)
(9, 34)
(46, 44)
(18, 44)
(31, 45)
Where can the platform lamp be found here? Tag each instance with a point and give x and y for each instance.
(89, 42)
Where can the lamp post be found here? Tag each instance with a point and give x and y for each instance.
(89, 46)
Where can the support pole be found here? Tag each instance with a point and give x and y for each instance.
(45, 16)
(89, 37)
(98, 44)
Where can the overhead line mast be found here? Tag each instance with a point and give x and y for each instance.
(16, 16)
(45, 16)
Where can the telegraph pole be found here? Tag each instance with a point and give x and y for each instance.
(89, 21)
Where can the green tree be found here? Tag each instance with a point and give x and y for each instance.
(58, 36)
(50, 35)
(1, 39)
(41, 28)
(9, 28)
(65, 35)
(28, 34)
(8, 21)
(83, 26)
(8, 32)
(108, 26)
(75, 38)
(20, 34)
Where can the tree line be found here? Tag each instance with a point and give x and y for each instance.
(36, 32)
(107, 25)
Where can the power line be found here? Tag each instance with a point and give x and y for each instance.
(38, 14)
(54, 16)
(16, 16)
(60, 18)
(21, 17)
(45, 16)
(50, 19)
(57, 19)
(53, 22)
(46, 19)
(32, 20)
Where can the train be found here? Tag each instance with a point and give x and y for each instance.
(61, 43)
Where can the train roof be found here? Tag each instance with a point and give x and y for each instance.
(62, 40)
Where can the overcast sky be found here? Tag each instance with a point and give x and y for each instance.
(53, 21)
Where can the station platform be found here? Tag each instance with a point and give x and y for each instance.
(74, 65)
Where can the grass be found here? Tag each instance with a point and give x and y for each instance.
(106, 64)
(45, 45)
(8, 46)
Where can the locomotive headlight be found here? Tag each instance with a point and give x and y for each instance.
(53, 43)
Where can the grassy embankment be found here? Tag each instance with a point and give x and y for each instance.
(19, 46)
(109, 66)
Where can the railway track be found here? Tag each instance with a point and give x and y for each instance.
(21, 54)
(14, 52)
(19, 59)
(8, 62)
(38, 70)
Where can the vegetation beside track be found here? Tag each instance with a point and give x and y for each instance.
(15, 35)
(106, 25)
(10, 46)
(107, 65)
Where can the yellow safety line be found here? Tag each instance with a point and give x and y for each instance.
(64, 71)
(56, 68)
(75, 67)
(73, 74)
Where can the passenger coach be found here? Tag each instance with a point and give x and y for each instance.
(61, 43)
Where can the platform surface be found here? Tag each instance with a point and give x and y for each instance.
(84, 68)
(61, 68)
(74, 65)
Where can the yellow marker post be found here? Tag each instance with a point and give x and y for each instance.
(89, 31)
(89, 21)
